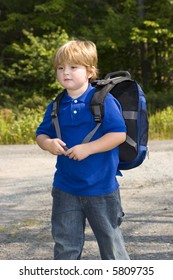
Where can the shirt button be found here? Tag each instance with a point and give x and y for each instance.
(75, 101)
(75, 112)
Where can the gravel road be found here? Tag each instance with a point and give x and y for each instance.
(25, 185)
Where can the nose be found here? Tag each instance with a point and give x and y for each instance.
(66, 70)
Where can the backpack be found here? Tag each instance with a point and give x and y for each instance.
(133, 102)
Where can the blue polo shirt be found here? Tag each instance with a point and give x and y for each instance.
(95, 175)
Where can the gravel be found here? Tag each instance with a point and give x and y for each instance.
(25, 189)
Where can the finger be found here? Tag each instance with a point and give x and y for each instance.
(60, 150)
(71, 156)
(69, 151)
(61, 142)
(65, 148)
(75, 158)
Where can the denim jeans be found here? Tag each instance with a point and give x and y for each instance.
(104, 213)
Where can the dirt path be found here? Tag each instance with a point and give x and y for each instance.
(25, 205)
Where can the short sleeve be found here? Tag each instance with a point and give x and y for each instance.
(113, 120)
(46, 127)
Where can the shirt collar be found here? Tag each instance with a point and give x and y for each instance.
(85, 97)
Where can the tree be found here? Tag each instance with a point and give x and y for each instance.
(32, 70)
(132, 35)
(156, 40)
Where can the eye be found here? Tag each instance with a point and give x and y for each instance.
(60, 68)
(74, 66)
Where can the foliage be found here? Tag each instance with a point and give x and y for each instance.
(133, 35)
(158, 100)
(32, 72)
(19, 128)
(157, 42)
(161, 125)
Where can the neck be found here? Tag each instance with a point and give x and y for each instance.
(78, 92)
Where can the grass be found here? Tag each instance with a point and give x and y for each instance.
(16, 231)
(161, 124)
(20, 128)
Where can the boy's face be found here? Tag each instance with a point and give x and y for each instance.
(73, 77)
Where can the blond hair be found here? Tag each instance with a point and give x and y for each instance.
(78, 52)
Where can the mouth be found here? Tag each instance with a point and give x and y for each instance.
(67, 79)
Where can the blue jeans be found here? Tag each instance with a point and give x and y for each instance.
(104, 214)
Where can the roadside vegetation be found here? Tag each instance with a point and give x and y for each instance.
(20, 127)
(161, 124)
(130, 35)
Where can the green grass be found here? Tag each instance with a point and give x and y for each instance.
(161, 124)
(20, 128)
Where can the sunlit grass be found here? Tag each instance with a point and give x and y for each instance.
(161, 124)
(20, 128)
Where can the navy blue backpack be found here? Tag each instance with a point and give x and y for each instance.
(133, 102)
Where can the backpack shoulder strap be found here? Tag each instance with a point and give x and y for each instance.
(97, 107)
(97, 101)
(103, 87)
(56, 104)
(55, 112)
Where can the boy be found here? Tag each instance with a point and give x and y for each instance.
(85, 184)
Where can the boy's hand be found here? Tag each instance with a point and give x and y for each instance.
(105, 143)
(78, 152)
(55, 146)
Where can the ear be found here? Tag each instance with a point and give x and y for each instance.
(91, 72)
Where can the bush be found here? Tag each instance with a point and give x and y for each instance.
(31, 71)
(161, 124)
(158, 100)
(19, 128)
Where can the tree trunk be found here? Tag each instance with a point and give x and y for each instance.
(145, 64)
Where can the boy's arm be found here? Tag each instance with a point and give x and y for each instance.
(107, 142)
(54, 146)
